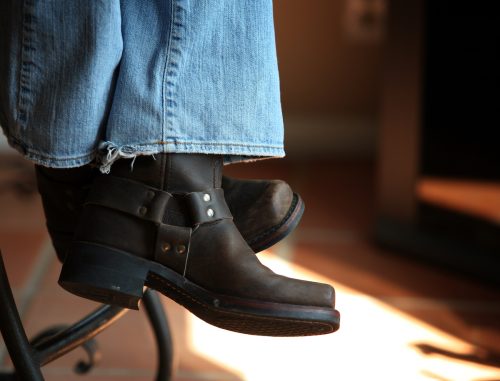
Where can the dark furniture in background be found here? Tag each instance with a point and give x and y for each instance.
(439, 119)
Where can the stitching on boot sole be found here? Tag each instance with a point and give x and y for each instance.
(164, 282)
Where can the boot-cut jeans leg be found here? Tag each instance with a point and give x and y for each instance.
(89, 80)
(58, 62)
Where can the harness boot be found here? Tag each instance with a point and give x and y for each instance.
(166, 225)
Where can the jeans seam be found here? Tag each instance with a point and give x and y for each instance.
(165, 79)
(26, 62)
(209, 144)
(176, 142)
(172, 63)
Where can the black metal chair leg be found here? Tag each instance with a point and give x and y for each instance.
(28, 358)
(163, 337)
(21, 352)
(52, 344)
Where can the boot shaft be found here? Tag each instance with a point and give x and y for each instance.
(173, 172)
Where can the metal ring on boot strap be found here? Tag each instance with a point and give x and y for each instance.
(129, 197)
(208, 206)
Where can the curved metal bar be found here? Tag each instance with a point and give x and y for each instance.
(20, 351)
(90, 347)
(74, 336)
(93, 357)
(27, 358)
(159, 323)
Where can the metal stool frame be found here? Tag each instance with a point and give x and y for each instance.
(28, 357)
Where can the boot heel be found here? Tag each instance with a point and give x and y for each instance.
(104, 275)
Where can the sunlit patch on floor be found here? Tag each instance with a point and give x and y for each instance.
(375, 342)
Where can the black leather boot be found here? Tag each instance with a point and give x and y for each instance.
(264, 211)
(63, 192)
(166, 225)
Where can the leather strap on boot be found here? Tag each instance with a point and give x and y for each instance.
(129, 197)
(152, 204)
(207, 206)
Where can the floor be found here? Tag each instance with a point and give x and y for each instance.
(401, 319)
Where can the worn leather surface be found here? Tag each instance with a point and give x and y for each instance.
(216, 257)
(257, 205)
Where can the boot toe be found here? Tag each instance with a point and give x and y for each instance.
(307, 293)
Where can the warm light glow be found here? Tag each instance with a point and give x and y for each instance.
(375, 342)
(479, 198)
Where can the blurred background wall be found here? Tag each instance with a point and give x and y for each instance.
(330, 55)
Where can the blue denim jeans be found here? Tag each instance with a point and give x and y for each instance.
(87, 80)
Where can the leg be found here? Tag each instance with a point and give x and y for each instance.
(196, 77)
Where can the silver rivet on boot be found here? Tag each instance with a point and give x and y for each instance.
(210, 212)
(181, 249)
(143, 210)
(165, 247)
(206, 197)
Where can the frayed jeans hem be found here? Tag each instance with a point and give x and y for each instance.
(109, 152)
(51, 161)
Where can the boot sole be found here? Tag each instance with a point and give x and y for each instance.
(276, 233)
(115, 277)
